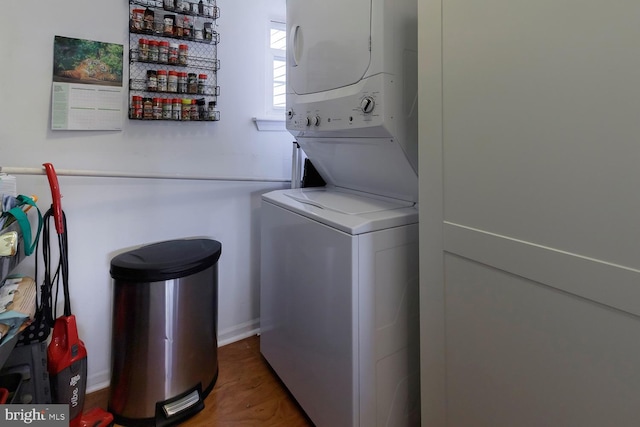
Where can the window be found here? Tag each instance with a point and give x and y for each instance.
(278, 51)
(275, 78)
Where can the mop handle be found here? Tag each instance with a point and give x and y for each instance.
(55, 196)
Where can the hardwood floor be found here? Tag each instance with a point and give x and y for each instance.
(246, 394)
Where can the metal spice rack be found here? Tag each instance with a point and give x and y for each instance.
(201, 59)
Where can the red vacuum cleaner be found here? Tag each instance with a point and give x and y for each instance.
(66, 354)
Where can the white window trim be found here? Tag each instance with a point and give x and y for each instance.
(269, 123)
(274, 118)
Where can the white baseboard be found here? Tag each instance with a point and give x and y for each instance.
(230, 335)
(98, 381)
(238, 332)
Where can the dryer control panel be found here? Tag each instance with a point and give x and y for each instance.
(360, 110)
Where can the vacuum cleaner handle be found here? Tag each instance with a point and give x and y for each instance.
(55, 196)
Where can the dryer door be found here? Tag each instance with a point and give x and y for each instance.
(328, 44)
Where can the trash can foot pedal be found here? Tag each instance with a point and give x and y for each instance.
(173, 408)
(179, 408)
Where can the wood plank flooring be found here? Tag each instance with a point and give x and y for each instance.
(246, 394)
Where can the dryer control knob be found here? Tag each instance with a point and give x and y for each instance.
(307, 121)
(290, 114)
(316, 121)
(367, 104)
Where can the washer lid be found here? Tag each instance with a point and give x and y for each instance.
(353, 213)
(345, 203)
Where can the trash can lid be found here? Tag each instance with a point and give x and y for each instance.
(168, 260)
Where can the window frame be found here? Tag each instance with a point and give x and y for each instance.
(274, 117)
(274, 55)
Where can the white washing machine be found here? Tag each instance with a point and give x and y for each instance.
(339, 264)
(339, 305)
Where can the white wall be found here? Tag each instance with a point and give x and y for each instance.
(529, 156)
(109, 215)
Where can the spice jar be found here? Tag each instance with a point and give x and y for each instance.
(157, 108)
(162, 80)
(168, 4)
(186, 109)
(137, 18)
(152, 80)
(192, 83)
(212, 110)
(195, 114)
(197, 34)
(177, 29)
(186, 27)
(183, 54)
(209, 10)
(153, 51)
(176, 108)
(208, 31)
(163, 52)
(137, 21)
(172, 82)
(143, 50)
(182, 82)
(202, 83)
(166, 109)
(148, 19)
(202, 109)
(147, 108)
(136, 107)
(173, 53)
(169, 23)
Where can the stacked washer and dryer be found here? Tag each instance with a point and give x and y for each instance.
(339, 264)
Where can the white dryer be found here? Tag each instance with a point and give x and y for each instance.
(339, 264)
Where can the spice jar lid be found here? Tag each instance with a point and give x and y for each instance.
(186, 101)
(202, 76)
(173, 73)
(184, 46)
(177, 101)
(136, 98)
(164, 43)
(143, 41)
(162, 72)
(153, 42)
(158, 100)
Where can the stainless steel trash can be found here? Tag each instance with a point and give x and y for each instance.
(164, 337)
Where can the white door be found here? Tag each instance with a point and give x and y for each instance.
(328, 44)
